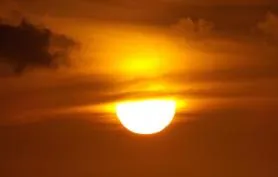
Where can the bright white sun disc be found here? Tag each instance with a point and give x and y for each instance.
(146, 117)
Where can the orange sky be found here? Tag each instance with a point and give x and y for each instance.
(218, 59)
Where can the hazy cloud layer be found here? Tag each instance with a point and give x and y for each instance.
(232, 66)
(229, 15)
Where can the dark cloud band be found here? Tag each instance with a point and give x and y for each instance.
(26, 46)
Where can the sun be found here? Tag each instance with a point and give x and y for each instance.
(147, 116)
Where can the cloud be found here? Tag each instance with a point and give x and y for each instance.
(190, 28)
(270, 25)
(25, 46)
(224, 68)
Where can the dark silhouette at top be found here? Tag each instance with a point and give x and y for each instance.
(27, 45)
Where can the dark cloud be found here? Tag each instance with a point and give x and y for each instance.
(25, 46)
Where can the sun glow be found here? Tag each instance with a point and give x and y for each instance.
(147, 116)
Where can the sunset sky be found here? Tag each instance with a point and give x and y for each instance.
(60, 82)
